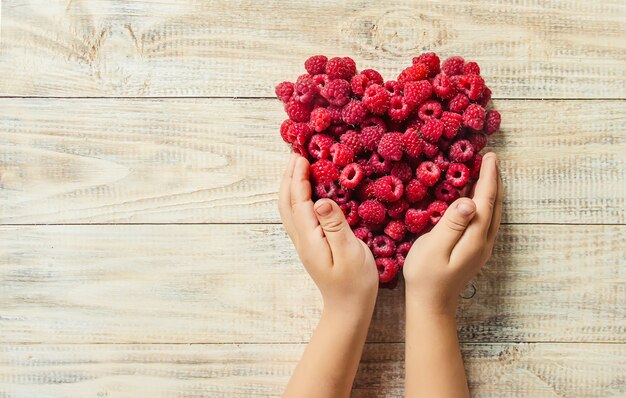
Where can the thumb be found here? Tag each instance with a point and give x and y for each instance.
(454, 222)
(334, 224)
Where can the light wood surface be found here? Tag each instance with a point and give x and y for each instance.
(538, 49)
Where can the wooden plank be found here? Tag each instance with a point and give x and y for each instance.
(166, 161)
(243, 283)
(557, 49)
(494, 370)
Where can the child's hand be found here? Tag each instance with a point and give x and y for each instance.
(442, 262)
(341, 265)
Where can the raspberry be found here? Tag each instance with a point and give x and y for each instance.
(428, 173)
(380, 166)
(458, 174)
(446, 192)
(358, 84)
(305, 90)
(412, 143)
(398, 108)
(376, 99)
(350, 210)
(320, 102)
(324, 171)
(458, 103)
(338, 68)
(451, 124)
(474, 117)
(430, 150)
(284, 91)
(337, 92)
(341, 155)
(416, 220)
(397, 209)
(286, 131)
(471, 85)
(325, 189)
(373, 76)
(352, 139)
(302, 132)
(335, 114)
(395, 230)
(471, 68)
(390, 146)
(364, 234)
(383, 246)
(372, 211)
(413, 74)
(485, 98)
(315, 64)
(415, 191)
(351, 65)
(474, 165)
(461, 151)
(299, 149)
(365, 190)
(443, 87)
(370, 137)
(387, 269)
(429, 110)
(436, 211)
(431, 60)
(478, 141)
(441, 161)
(417, 92)
(432, 130)
(320, 119)
(337, 130)
(341, 196)
(388, 189)
(353, 112)
(374, 121)
(393, 87)
(402, 171)
(351, 176)
(321, 80)
(453, 66)
(492, 122)
(401, 252)
(297, 111)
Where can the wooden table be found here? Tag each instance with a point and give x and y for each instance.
(140, 248)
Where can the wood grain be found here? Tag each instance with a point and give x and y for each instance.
(198, 161)
(243, 283)
(494, 370)
(556, 49)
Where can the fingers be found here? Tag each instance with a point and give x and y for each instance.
(497, 212)
(303, 215)
(334, 224)
(284, 197)
(454, 223)
(485, 194)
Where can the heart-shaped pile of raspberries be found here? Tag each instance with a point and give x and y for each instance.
(392, 154)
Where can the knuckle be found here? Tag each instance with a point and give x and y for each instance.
(455, 224)
(334, 225)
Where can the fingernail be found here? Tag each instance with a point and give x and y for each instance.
(324, 209)
(465, 209)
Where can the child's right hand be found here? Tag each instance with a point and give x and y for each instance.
(442, 262)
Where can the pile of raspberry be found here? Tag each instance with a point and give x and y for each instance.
(392, 154)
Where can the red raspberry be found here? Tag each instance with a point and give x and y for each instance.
(395, 230)
(364, 234)
(321, 80)
(453, 66)
(337, 130)
(446, 192)
(471, 68)
(383, 246)
(412, 143)
(372, 212)
(299, 149)
(443, 87)
(485, 98)
(390, 146)
(402, 171)
(350, 210)
(315, 64)
(341, 154)
(351, 176)
(325, 189)
(351, 65)
(341, 196)
(398, 108)
(388, 189)
(305, 90)
(451, 124)
(373, 76)
(352, 139)
(474, 117)
(370, 137)
(441, 161)
(401, 252)
(413, 74)
(461, 151)
(458, 103)
(458, 174)
(376, 99)
(436, 211)
(430, 150)
(374, 121)
(387, 269)
(337, 92)
(380, 166)
(431, 60)
(393, 87)
(302, 132)
(417, 92)
(358, 84)
(416, 220)
(478, 141)
(428, 173)
(338, 68)
(284, 91)
(397, 209)
(324, 171)
(415, 191)
(320, 119)
(471, 85)
(286, 131)
(335, 114)
(429, 110)
(297, 111)
(432, 130)
(474, 165)
(353, 112)
(320, 102)
(365, 190)
(492, 122)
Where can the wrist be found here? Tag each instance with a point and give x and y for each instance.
(350, 312)
(432, 305)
